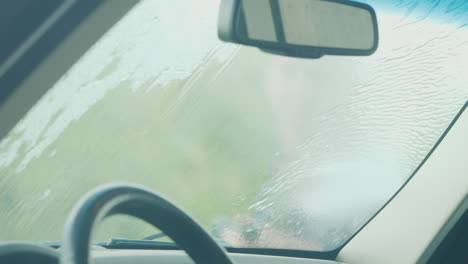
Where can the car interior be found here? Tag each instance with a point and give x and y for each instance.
(424, 221)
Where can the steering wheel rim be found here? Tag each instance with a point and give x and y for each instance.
(15, 251)
(143, 204)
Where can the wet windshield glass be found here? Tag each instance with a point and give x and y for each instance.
(264, 151)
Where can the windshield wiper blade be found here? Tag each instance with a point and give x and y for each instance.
(155, 236)
(123, 243)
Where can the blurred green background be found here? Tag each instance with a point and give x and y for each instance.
(210, 152)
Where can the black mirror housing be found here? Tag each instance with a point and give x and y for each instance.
(300, 28)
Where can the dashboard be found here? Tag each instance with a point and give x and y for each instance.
(106, 256)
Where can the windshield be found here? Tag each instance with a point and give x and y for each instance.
(264, 151)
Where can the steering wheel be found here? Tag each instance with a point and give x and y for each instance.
(22, 252)
(146, 205)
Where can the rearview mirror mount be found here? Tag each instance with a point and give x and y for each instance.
(300, 28)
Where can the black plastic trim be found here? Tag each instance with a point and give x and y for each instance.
(15, 29)
(453, 248)
(45, 44)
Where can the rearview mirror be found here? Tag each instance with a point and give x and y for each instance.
(300, 28)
